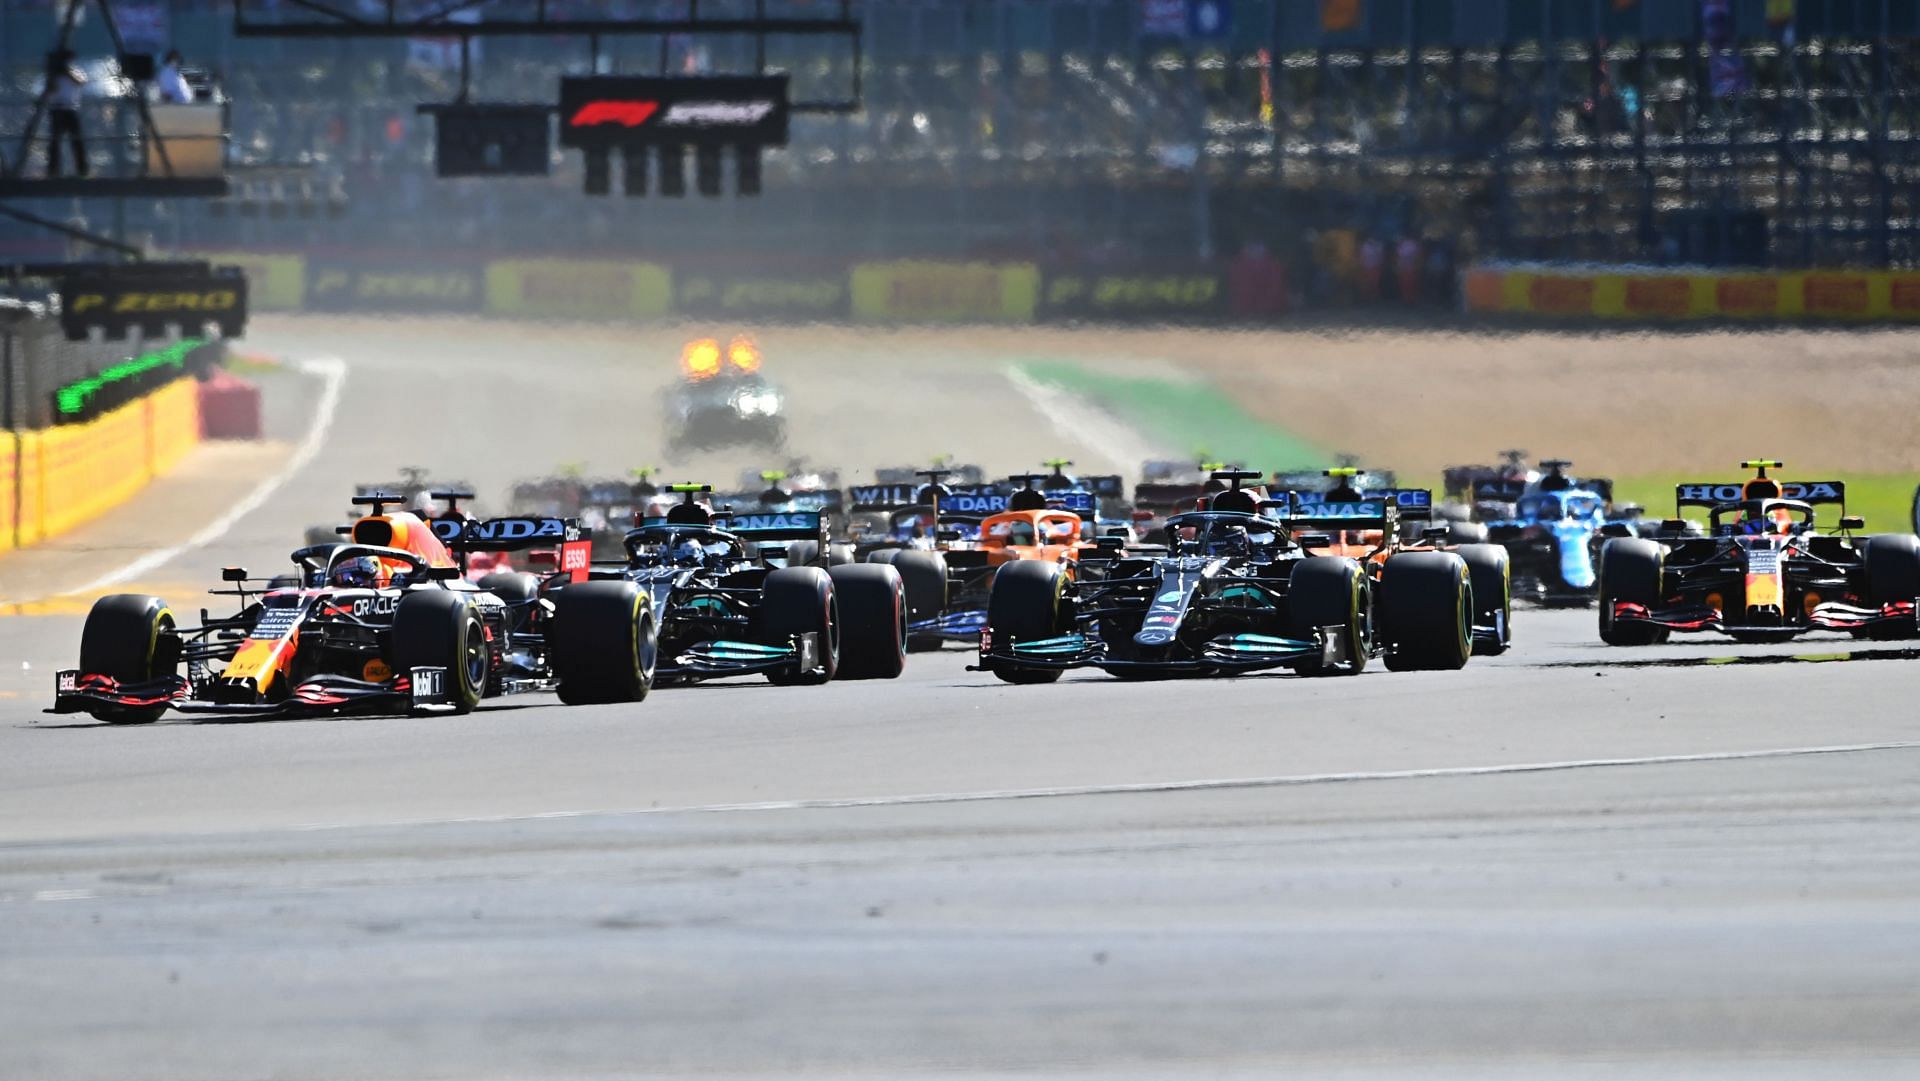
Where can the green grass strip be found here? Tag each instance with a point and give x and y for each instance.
(1194, 417)
(73, 397)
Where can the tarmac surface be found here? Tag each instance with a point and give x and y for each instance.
(1548, 864)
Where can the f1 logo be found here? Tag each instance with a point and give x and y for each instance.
(630, 114)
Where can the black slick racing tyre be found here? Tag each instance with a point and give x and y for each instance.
(1426, 611)
(803, 553)
(1025, 605)
(129, 637)
(884, 555)
(924, 575)
(521, 592)
(1631, 570)
(873, 621)
(1328, 591)
(1467, 533)
(1893, 574)
(440, 628)
(602, 643)
(799, 600)
(1490, 569)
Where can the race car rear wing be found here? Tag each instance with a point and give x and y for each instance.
(1375, 512)
(1710, 494)
(963, 498)
(1162, 495)
(507, 534)
(1414, 503)
(766, 528)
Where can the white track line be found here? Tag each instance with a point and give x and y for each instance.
(1101, 431)
(333, 373)
(1281, 781)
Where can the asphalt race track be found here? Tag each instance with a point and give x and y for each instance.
(1547, 865)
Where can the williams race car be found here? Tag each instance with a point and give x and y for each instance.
(1761, 572)
(385, 623)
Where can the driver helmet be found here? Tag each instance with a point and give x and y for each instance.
(687, 551)
(360, 572)
(1229, 540)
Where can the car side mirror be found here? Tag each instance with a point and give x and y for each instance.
(1436, 533)
(443, 574)
(1417, 514)
(544, 558)
(773, 551)
(343, 530)
(1110, 544)
(1314, 540)
(1852, 522)
(1615, 529)
(1673, 525)
(233, 574)
(946, 535)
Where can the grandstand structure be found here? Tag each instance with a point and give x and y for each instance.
(1736, 132)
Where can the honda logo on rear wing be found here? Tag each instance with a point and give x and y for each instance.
(506, 534)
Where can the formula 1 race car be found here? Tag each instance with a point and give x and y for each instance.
(1234, 594)
(724, 399)
(727, 608)
(1340, 521)
(1761, 572)
(385, 623)
(1553, 532)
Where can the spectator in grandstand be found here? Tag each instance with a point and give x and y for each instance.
(1407, 268)
(1257, 283)
(172, 82)
(1439, 283)
(1373, 268)
(64, 93)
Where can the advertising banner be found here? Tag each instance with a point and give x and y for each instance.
(577, 289)
(274, 282)
(1824, 295)
(723, 293)
(335, 286)
(923, 292)
(1147, 296)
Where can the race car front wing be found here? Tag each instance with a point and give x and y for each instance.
(725, 657)
(1829, 616)
(423, 689)
(1229, 652)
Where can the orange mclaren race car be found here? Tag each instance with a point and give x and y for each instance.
(948, 557)
(1366, 526)
(382, 623)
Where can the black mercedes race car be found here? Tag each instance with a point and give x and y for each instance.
(730, 602)
(384, 623)
(1234, 593)
(1761, 572)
